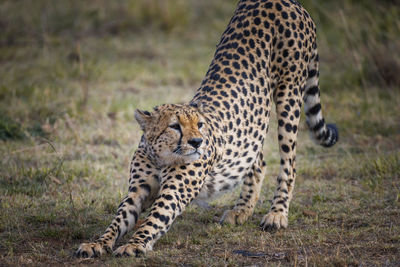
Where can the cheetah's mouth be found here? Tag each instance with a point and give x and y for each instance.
(179, 151)
(193, 153)
(192, 156)
(189, 155)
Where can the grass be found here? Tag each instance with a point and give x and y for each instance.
(72, 74)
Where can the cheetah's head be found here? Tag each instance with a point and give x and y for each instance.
(174, 134)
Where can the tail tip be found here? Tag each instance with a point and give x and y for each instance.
(332, 134)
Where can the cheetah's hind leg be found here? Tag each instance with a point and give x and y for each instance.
(249, 195)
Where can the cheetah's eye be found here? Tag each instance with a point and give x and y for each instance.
(175, 126)
(200, 125)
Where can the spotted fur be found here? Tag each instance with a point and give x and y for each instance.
(267, 53)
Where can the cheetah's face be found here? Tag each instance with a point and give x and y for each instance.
(174, 133)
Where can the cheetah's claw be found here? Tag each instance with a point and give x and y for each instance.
(91, 250)
(273, 221)
(129, 250)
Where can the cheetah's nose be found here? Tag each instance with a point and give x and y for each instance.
(195, 142)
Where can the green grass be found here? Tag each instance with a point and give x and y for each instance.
(72, 74)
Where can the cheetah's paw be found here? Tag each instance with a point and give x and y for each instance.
(90, 250)
(235, 216)
(274, 221)
(130, 250)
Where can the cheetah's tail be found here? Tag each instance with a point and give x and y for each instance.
(323, 134)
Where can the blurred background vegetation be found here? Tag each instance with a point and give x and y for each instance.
(73, 72)
(55, 55)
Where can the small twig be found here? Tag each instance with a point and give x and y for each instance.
(54, 179)
(351, 253)
(59, 163)
(71, 199)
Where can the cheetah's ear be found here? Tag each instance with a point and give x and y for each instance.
(143, 118)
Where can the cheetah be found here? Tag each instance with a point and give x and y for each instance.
(268, 52)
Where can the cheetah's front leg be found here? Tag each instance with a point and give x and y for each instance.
(179, 187)
(144, 185)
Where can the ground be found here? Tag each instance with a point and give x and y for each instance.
(72, 74)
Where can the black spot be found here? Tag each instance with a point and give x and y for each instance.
(271, 16)
(251, 43)
(233, 93)
(312, 73)
(168, 197)
(226, 104)
(314, 110)
(236, 108)
(260, 34)
(133, 189)
(245, 64)
(129, 201)
(285, 148)
(228, 71)
(288, 127)
(145, 187)
(313, 90)
(281, 28)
